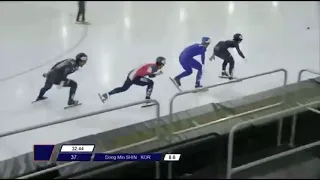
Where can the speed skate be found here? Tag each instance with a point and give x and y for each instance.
(148, 105)
(176, 85)
(44, 98)
(71, 106)
(101, 98)
(143, 106)
(231, 79)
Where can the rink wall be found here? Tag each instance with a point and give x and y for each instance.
(206, 156)
(112, 140)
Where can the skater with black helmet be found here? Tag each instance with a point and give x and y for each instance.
(138, 76)
(57, 75)
(221, 50)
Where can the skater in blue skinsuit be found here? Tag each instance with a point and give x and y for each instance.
(188, 62)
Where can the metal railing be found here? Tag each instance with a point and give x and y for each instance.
(307, 70)
(88, 115)
(226, 118)
(270, 117)
(294, 119)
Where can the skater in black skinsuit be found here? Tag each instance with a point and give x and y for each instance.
(81, 12)
(221, 50)
(58, 76)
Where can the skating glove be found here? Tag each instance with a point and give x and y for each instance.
(212, 58)
(156, 74)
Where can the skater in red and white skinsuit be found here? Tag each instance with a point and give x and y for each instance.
(138, 77)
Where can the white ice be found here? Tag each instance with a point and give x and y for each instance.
(123, 35)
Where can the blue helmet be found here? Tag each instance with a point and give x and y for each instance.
(205, 40)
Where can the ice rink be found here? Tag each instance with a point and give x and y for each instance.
(123, 35)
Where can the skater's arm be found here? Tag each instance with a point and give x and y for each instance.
(68, 69)
(153, 71)
(53, 67)
(202, 58)
(239, 51)
(203, 55)
(212, 57)
(65, 74)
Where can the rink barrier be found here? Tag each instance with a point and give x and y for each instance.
(270, 117)
(164, 151)
(294, 119)
(157, 169)
(306, 70)
(285, 72)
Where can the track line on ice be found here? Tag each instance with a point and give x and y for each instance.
(53, 59)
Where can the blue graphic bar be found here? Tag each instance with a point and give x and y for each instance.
(127, 157)
(42, 152)
(74, 157)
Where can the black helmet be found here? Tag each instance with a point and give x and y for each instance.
(81, 59)
(160, 61)
(237, 37)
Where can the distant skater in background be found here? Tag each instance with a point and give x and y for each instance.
(188, 62)
(81, 12)
(221, 50)
(58, 76)
(138, 77)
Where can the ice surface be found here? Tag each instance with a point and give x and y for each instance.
(123, 35)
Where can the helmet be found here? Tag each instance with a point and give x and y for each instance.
(81, 59)
(237, 37)
(160, 61)
(205, 40)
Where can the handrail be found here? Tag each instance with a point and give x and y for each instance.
(306, 70)
(212, 86)
(271, 117)
(83, 116)
(294, 119)
(276, 156)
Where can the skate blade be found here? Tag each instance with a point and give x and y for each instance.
(83, 23)
(175, 84)
(202, 90)
(224, 77)
(148, 105)
(38, 100)
(101, 98)
(234, 79)
(67, 107)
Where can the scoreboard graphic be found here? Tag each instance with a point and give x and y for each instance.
(70, 152)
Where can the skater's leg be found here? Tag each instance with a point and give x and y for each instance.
(73, 88)
(43, 90)
(48, 84)
(224, 65)
(231, 66)
(185, 63)
(126, 85)
(83, 14)
(143, 81)
(196, 65)
(227, 57)
(78, 16)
